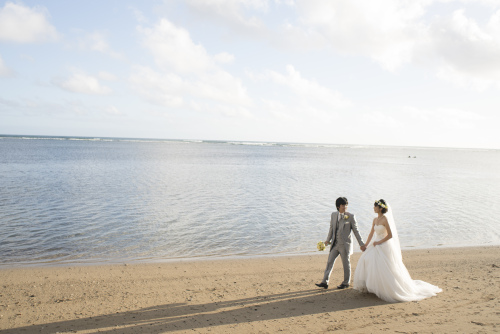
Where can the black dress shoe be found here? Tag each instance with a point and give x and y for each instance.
(343, 286)
(322, 285)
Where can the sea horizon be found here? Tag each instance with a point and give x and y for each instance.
(229, 141)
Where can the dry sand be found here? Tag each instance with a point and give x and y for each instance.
(264, 295)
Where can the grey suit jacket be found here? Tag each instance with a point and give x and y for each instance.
(347, 224)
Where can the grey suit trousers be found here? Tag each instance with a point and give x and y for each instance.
(346, 262)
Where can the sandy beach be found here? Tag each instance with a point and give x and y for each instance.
(260, 295)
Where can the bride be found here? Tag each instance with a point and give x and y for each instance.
(380, 268)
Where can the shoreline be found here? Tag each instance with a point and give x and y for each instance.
(143, 261)
(267, 294)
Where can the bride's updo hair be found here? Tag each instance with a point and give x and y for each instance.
(382, 204)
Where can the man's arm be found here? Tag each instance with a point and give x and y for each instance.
(356, 232)
(330, 233)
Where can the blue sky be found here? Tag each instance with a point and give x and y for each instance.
(405, 73)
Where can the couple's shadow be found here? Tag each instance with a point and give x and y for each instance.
(191, 316)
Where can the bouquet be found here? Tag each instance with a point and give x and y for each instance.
(321, 246)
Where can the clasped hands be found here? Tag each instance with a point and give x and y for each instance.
(363, 248)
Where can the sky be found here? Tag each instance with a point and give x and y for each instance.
(385, 72)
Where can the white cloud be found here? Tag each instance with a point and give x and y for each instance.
(171, 90)
(395, 33)
(298, 38)
(290, 3)
(232, 12)
(280, 111)
(308, 91)
(469, 52)
(97, 41)
(384, 30)
(188, 75)
(164, 89)
(23, 24)
(224, 58)
(447, 72)
(220, 86)
(298, 101)
(172, 48)
(82, 83)
(4, 70)
(138, 14)
(387, 30)
(246, 18)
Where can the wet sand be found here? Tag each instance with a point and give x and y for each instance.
(260, 295)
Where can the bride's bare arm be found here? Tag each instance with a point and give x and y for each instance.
(371, 234)
(389, 233)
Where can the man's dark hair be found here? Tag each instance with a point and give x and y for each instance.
(341, 201)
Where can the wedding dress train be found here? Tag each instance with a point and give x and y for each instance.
(380, 270)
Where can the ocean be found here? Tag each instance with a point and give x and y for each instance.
(75, 200)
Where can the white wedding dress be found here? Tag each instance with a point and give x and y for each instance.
(381, 271)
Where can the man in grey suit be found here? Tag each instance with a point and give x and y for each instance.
(342, 224)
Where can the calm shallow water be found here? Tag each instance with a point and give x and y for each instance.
(82, 200)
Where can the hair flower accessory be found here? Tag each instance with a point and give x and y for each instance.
(321, 246)
(382, 205)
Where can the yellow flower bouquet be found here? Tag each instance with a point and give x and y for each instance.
(321, 246)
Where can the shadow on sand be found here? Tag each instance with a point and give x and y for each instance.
(189, 316)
